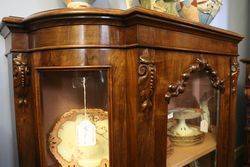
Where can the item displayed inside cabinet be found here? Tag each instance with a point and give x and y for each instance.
(170, 148)
(183, 134)
(170, 145)
(73, 143)
(80, 137)
(195, 112)
(185, 155)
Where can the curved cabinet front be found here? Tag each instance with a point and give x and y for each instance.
(90, 85)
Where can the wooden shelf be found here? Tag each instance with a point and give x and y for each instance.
(185, 155)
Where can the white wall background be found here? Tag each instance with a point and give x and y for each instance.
(233, 16)
(8, 146)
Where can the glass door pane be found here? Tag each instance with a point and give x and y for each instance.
(75, 118)
(192, 124)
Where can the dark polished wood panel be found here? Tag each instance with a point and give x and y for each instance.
(151, 23)
(74, 35)
(145, 51)
(24, 110)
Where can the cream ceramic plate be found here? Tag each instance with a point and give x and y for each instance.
(64, 145)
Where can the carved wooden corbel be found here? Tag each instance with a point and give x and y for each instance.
(146, 81)
(21, 75)
(199, 65)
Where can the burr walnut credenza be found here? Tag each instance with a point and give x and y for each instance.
(102, 87)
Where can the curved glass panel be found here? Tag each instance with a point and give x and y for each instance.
(75, 122)
(192, 124)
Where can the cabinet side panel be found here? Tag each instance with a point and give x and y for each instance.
(131, 64)
(116, 58)
(225, 138)
(234, 73)
(146, 122)
(160, 110)
(24, 111)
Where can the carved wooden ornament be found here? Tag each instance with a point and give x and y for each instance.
(199, 65)
(234, 75)
(146, 81)
(21, 75)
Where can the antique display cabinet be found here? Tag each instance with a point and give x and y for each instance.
(101, 87)
(247, 128)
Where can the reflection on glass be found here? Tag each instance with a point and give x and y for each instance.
(76, 120)
(192, 127)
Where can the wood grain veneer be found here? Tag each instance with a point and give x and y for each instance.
(145, 51)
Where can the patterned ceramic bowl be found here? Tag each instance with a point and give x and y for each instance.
(165, 6)
(202, 11)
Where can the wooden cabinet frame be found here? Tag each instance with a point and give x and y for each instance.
(146, 50)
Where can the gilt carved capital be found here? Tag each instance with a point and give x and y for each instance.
(21, 76)
(146, 81)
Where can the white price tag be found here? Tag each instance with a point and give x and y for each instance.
(171, 115)
(204, 126)
(86, 133)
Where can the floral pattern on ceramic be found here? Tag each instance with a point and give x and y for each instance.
(202, 11)
(188, 9)
(208, 9)
(164, 6)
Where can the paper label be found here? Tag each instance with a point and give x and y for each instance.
(86, 133)
(204, 126)
(171, 115)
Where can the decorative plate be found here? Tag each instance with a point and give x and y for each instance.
(170, 148)
(63, 140)
(178, 140)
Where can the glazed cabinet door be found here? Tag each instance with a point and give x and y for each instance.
(74, 116)
(201, 109)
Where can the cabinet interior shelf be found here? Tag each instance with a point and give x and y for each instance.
(185, 155)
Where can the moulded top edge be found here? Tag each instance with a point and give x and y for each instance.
(57, 13)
